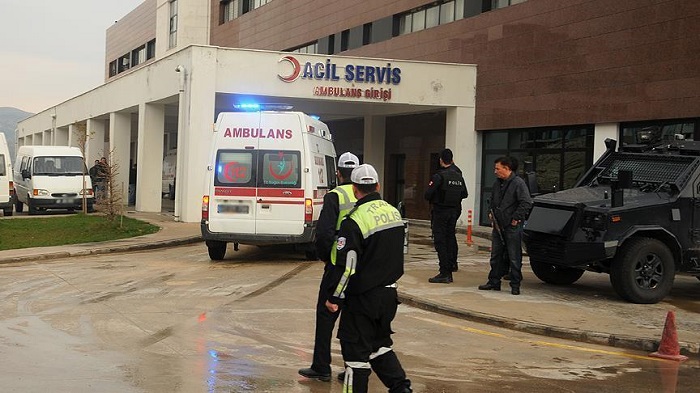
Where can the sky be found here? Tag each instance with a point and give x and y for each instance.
(51, 51)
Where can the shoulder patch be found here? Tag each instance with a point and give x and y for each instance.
(341, 243)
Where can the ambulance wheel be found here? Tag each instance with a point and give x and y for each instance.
(311, 254)
(19, 206)
(217, 250)
(32, 209)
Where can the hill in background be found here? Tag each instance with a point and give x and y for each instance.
(8, 124)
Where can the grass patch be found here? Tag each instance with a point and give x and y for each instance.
(73, 229)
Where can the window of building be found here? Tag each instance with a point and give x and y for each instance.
(123, 63)
(344, 40)
(112, 68)
(172, 39)
(428, 16)
(151, 49)
(558, 156)
(138, 55)
(232, 9)
(308, 48)
(504, 3)
(688, 128)
(366, 34)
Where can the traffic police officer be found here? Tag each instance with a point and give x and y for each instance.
(370, 261)
(445, 193)
(336, 205)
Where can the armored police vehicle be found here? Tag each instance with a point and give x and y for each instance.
(634, 215)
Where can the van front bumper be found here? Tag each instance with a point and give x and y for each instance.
(258, 240)
(62, 203)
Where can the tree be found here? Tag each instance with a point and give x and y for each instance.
(81, 138)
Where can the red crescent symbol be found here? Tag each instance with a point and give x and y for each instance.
(296, 69)
(233, 172)
(284, 175)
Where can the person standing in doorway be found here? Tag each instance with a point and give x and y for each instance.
(370, 261)
(336, 205)
(445, 193)
(510, 207)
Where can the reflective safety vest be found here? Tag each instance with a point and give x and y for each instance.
(376, 216)
(346, 201)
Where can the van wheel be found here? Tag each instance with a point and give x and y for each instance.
(553, 274)
(643, 271)
(32, 210)
(217, 250)
(19, 206)
(7, 212)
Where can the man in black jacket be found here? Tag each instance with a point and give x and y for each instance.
(445, 193)
(510, 207)
(337, 203)
(370, 261)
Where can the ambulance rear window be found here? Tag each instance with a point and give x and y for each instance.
(280, 169)
(235, 168)
(258, 168)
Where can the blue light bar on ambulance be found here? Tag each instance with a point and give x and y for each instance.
(255, 107)
(317, 117)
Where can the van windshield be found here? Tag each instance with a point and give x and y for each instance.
(59, 166)
(258, 168)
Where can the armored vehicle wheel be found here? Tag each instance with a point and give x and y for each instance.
(217, 250)
(643, 271)
(553, 274)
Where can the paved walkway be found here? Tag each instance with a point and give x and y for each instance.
(588, 311)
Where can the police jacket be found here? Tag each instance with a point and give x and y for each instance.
(337, 203)
(370, 249)
(447, 188)
(510, 200)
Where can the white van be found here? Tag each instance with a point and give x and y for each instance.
(7, 191)
(51, 177)
(266, 181)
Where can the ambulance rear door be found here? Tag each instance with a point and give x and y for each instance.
(281, 197)
(233, 202)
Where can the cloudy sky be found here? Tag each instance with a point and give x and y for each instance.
(52, 50)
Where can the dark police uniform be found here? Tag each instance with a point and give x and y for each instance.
(370, 261)
(336, 205)
(445, 193)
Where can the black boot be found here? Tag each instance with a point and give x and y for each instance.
(441, 278)
(490, 287)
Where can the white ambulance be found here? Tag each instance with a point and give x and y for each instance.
(266, 182)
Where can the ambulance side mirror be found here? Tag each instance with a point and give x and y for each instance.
(209, 167)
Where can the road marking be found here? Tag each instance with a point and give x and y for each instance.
(538, 342)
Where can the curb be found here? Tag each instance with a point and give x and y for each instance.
(103, 250)
(618, 341)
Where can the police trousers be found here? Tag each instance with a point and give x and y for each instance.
(325, 322)
(443, 222)
(365, 339)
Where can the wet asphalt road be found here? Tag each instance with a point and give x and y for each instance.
(173, 321)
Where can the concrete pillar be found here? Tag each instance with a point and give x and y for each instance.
(38, 138)
(46, 138)
(194, 144)
(149, 179)
(461, 138)
(603, 131)
(373, 145)
(120, 144)
(95, 145)
(73, 137)
(61, 137)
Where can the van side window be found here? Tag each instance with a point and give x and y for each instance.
(330, 173)
(2, 165)
(236, 168)
(25, 163)
(280, 169)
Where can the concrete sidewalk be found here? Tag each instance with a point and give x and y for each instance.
(587, 311)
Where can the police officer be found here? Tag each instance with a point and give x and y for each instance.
(370, 261)
(445, 193)
(336, 205)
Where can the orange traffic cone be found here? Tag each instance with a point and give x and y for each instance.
(669, 348)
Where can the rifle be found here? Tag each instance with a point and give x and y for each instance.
(498, 229)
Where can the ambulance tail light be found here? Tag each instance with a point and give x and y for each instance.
(308, 210)
(205, 207)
